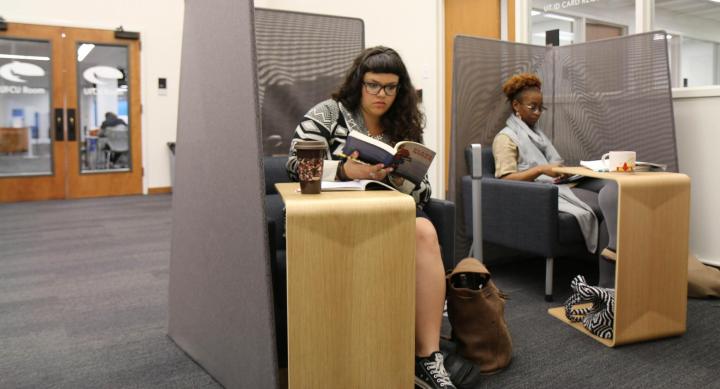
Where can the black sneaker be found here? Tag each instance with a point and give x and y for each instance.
(465, 374)
(430, 372)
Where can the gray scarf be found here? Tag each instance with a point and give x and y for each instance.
(535, 148)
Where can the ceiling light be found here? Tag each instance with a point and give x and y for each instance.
(30, 57)
(559, 17)
(84, 50)
(15, 71)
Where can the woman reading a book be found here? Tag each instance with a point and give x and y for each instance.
(378, 99)
(523, 152)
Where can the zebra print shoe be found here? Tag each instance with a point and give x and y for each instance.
(599, 317)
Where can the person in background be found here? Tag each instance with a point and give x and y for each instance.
(111, 120)
(523, 152)
(378, 99)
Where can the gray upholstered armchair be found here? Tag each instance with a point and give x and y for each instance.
(522, 216)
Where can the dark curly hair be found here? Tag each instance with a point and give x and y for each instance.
(517, 84)
(403, 121)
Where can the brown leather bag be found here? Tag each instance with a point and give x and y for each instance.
(477, 317)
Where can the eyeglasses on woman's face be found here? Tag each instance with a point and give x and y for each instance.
(374, 88)
(535, 108)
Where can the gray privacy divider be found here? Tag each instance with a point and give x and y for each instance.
(301, 59)
(611, 94)
(220, 289)
(614, 94)
(479, 108)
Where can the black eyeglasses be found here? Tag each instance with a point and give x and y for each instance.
(374, 88)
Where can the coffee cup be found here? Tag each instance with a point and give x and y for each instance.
(619, 161)
(310, 155)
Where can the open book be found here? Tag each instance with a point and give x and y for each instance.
(331, 186)
(410, 160)
(599, 166)
(568, 180)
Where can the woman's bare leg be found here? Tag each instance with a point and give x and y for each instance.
(429, 289)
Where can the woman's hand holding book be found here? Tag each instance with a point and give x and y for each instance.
(355, 169)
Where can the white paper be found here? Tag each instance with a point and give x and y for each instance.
(328, 186)
(596, 165)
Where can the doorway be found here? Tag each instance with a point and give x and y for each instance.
(467, 17)
(69, 113)
(596, 31)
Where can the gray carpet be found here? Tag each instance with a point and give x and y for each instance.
(83, 304)
(83, 296)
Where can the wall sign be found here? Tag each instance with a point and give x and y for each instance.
(558, 5)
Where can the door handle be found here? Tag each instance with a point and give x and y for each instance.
(59, 127)
(71, 125)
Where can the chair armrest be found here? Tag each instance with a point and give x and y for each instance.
(521, 215)
(442, 215)
(275, 171)
(275, 214)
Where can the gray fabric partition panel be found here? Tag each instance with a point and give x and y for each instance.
(612, 94)
(301, 59)
(220, 289)
(479, 108)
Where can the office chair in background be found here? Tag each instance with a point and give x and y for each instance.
(117, 144)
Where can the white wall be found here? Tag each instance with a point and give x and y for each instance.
(411, 28)
(698, 62)
(160, 25)
(698, 140)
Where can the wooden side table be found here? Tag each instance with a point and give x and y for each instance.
(652, 252)
(350, 288)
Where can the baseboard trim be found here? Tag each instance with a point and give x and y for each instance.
(160, 190)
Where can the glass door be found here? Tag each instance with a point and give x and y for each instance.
(69, 113)
(32, 131)
(105, 158)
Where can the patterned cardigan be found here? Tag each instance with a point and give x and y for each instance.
(330, 122)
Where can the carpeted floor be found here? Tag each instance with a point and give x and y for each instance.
(83, 296)
(83, 304)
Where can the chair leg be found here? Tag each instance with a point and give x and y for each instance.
(548, 278)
